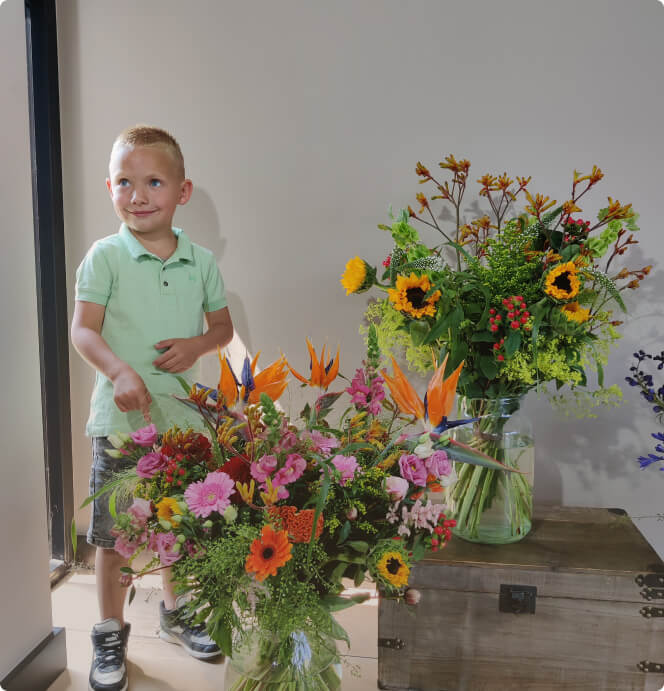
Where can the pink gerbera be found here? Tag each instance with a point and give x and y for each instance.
(211, 494)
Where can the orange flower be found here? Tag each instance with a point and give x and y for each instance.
(271, 381)
(298, 524)
(321, 374)
(439, 398)
(268, 553)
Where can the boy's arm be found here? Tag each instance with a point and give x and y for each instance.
(182, 353)
(129, 390)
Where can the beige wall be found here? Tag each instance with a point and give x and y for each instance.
(302, 121)
(25, 605)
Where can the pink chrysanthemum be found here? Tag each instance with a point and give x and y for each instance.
(211, 494)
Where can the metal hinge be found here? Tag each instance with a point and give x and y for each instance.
(649, 612)
(652, 593)
(392, 643)
(647, 666)
(517, 599)
(652, 580)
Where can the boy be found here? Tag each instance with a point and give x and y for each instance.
(141, 296)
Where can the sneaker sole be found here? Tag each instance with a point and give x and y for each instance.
(198, 654)
(124, 688)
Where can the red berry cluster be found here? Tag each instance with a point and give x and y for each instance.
(443, 532)
(576, 232)
(514, 317)
(176, 471)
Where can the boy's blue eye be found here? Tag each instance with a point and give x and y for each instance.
(155, 183)
(123, 183)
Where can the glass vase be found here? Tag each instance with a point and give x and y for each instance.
(494, 506)
(303, 661)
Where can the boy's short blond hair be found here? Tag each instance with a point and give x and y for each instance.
(146, 135)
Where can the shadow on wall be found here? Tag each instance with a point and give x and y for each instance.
(200, 220)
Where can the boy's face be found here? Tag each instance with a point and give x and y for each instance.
(146, 186)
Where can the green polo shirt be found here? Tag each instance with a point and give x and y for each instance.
(147, 300)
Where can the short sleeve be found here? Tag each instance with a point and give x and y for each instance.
(215, 293)
(94, 278)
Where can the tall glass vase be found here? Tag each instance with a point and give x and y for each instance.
(304, 661)
(494, 506)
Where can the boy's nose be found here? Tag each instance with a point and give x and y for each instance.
(138, 196)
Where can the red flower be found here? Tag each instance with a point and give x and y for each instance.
(238, 470)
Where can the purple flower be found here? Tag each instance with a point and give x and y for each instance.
(262, 468)
(163, 544)
(146, 436)
(413, 469)
(396, 487)
(438, 464)
(292, 470)
(150, 464)
(211, 494)
(347, 466)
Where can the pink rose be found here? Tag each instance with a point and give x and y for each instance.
(140, 510)
(396, 487)
(150, 464)
(413, 469)
(263, 467)
(125, 547)
(438, 464)
(347, 466)
(146, 436)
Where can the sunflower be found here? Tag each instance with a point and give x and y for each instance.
(167, 508)
(408, 296)
(394, 569)
(358, 276)
(268, 553)
(574, 312)
(562, 282)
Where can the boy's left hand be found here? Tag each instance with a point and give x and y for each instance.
(180, 354)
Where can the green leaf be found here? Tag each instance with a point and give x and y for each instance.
(512, 342)
(183, 383)
(382, 226)
(108, 487)
(488, 366)
(358, 545)
(335, 603)
(127, 569)
(132, 594)
(338, 572)
(600, 374)
(345, 532)
(482, 337)
(418, 548)
(440, 328)
(111, 504)
(556, 239)
(462, 453)
(359, 576)
(418, 332)
(74, 538)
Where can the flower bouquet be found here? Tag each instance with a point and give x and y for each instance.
(523, 299)
(262, 517)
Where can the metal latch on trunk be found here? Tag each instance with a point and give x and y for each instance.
(391, 643)
(649, 612)
(647, 666)
(653, 586)
(517, 599)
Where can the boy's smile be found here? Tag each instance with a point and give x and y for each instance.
(146, 187)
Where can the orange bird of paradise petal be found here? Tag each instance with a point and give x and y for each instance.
(403, 393)
(440, 393)
(321, 375)
(271, 381)
(228, 384)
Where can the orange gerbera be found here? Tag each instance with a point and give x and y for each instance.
(268, 553)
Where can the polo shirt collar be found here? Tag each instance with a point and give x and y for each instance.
(183, 251)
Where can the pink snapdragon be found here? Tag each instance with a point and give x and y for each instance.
(150, 464)
(263, 467)
(291, 471)
(396, 487)
(211, 494)
(146, 436)
(367, 395)
(412, 468)
(163, 544)
(322, 444)
(347, 466)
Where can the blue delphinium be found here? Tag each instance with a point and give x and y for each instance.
(655, 398)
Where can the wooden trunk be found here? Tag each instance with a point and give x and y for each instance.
(593, 626)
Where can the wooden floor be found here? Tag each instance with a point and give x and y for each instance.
(155, 665)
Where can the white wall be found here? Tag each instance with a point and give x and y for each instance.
(301, 121)
(25, 605)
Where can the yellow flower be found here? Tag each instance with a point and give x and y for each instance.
(358, 276)
(562, 282)
(167, 508)
(408, 296)
(393, 569)
(574, 312)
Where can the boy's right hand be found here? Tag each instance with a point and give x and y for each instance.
(130, 393)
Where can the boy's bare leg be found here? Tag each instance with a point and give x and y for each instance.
(169, 593)
(110, 593)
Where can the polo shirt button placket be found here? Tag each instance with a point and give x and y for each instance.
(166, 285)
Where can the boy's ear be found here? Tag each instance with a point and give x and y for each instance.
(108, 186)
(185, 191)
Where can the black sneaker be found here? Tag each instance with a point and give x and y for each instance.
(109, 648)
(176, 627)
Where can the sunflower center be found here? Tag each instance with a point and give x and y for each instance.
(563, 282)
(416, 297)
(393, 565)
(268, 553)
